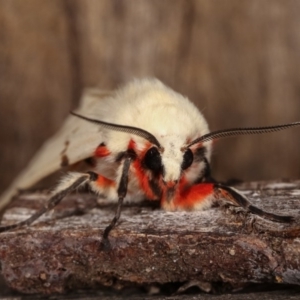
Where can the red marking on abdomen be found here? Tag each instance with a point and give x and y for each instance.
(131, 145)
(192, 196)
(104, 182)
(102, 151)
(139, 172)
(143, 180)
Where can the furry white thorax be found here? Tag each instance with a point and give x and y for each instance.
(152, 106)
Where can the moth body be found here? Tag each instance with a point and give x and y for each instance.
(172, 119)
(142, 141)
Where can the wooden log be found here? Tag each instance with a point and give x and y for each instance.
(62, 250)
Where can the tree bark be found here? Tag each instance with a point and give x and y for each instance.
(62, 251)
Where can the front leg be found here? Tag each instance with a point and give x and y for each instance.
(204, 195)
(234, 197)
(122, 191)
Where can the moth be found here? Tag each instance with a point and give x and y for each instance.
(143, 141)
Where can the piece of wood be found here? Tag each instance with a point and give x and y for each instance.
(282, 294)
(62, 250)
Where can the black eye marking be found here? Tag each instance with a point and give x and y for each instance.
(152, 160)
(188, 158)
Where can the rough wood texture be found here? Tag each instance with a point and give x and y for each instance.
(238, 60)
(151, 247)
(285, 294)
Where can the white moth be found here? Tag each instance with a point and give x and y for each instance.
(142, 141)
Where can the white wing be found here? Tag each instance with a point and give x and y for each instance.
(75, 141)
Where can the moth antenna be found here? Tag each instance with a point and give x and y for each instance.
(123, 128)
(240, 131)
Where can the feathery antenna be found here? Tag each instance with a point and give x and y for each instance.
(240, 131)
(123, 128)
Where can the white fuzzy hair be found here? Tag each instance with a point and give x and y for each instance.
(150, 105)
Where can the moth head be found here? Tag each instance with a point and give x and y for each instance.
(168, 162)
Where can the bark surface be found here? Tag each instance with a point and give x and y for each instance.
(151, 248)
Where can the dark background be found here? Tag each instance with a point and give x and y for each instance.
(237, 59)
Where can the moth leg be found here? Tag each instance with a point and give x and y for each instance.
(122, 191)
(235, 198)
(69, 184)
(204, 195)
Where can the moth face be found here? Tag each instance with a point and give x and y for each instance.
(172, 159)
(168, 162)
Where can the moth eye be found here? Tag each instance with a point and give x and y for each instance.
(152, 159)
(188, 158)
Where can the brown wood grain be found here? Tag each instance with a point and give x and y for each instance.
(238, 60)
(150, 247)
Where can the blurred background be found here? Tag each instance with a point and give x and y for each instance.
(238, 60)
